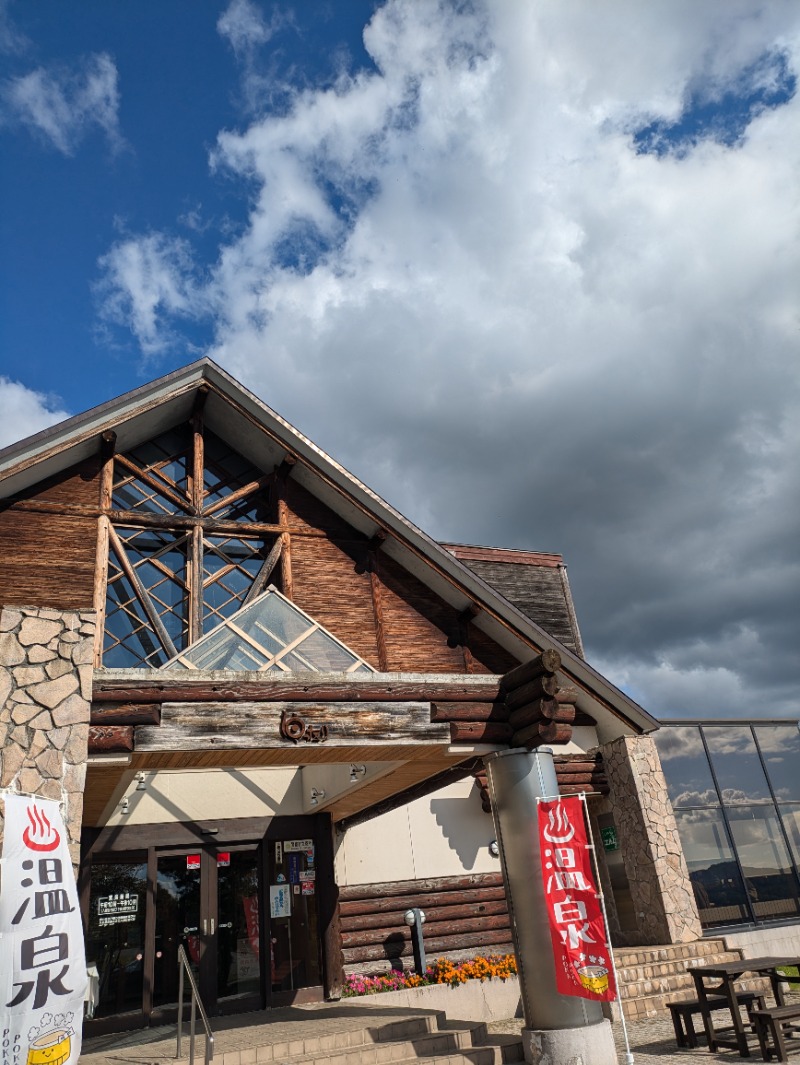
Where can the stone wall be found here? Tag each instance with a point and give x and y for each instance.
(45, 697)
(654, 863)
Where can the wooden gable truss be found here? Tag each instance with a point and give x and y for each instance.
(147, 510)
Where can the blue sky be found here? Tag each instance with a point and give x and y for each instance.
(528, 270)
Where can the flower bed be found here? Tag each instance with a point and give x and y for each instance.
(442, 971)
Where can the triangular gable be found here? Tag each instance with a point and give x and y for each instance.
(252, 429)
(271, 635)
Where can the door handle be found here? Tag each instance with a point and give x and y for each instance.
(212, 926)
(205, 927)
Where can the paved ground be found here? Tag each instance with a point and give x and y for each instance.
(652, 1041)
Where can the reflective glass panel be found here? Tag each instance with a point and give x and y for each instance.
(115, 936)
(790, 815)
(685, 765)
(780, 749)
(270, 634)
(177, 922)
(769, 877)
(238, 925)
(293, 925)
(738, 769)
(718, 888)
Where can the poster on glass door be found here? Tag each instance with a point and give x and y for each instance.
(42, 960)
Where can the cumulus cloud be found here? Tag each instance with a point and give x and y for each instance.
(24, 411)
(464, 275)
(62, 106)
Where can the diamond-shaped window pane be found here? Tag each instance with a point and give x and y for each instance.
(166, 460)
(168, 454)
(271, 634)
(226, 471)
(129, 640)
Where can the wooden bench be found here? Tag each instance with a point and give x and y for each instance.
(683, 1012)
(770, 1022)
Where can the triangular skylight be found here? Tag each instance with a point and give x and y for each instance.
(270, 635)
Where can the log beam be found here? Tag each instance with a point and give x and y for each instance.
(300, 687)
(186, 726)
(110, 739)
(125, 714)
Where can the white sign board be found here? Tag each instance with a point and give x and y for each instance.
(42, 960)
(280, 900)
(290, 845)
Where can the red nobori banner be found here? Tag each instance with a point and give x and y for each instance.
(582, 953)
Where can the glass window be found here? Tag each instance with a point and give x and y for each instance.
(115, 936)
(270, 634)
(790, 815)
(685, 765)
(718, 888)
(780, 748)
(770, 879)
(738, 768)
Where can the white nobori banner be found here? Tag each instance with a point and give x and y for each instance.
(42, 960)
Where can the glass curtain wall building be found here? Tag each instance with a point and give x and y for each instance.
(735, 789)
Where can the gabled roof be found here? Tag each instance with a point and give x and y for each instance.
(534, 581)
(253, 429)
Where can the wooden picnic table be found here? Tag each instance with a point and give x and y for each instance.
(726, 973)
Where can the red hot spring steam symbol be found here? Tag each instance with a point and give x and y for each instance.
(559, 828)
(48, 837)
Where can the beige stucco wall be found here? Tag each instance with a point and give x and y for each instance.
(444, 834)
(202, 795)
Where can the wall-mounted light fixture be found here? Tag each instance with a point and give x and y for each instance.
(141, 781)
(357, 771)
(494, 849)
(316, 795)
(124, 805)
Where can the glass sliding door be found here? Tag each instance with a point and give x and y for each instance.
(115, 935)
(238, 929)
(295, 961)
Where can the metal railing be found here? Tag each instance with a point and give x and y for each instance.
(195, 1005)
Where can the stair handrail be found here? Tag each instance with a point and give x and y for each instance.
(196, 1003)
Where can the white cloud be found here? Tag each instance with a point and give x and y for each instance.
(24, 411)
(63, 106)
(146, 281)
(460, 277)
(244, 26)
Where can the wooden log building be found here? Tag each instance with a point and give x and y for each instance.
(264, 697)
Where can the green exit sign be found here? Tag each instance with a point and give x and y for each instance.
(609, 838)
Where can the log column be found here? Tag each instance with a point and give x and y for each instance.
(45, 693)
(661, 891)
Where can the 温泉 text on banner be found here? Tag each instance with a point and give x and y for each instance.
(42, 960)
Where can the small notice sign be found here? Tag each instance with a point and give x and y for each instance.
(609, 838)
(110, 905)
(307, 887)
(223, 859)
(308, 874)
(192, 861)
(280, 900)
(298, 845)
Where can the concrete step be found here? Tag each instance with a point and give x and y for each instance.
(430, 1037)
(630, 956)
(372, 1047)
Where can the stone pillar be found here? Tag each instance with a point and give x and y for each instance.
(651, 849)
(45, 697)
